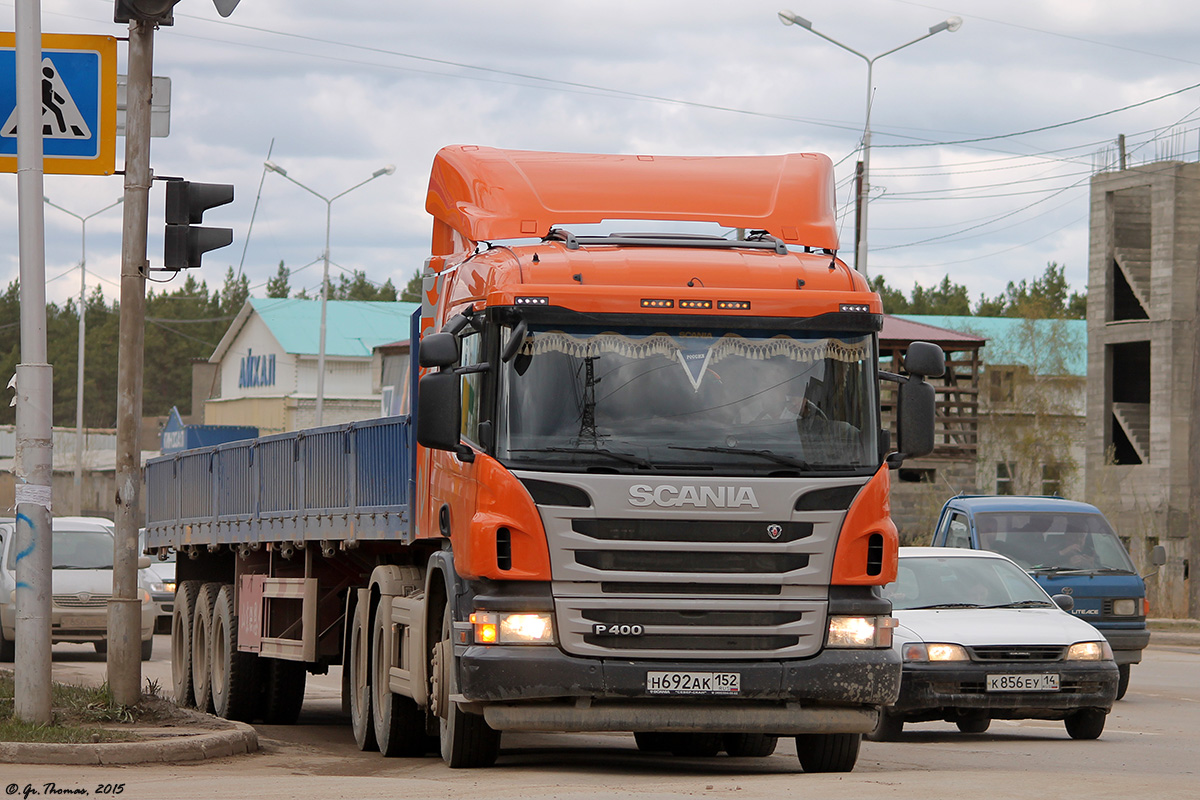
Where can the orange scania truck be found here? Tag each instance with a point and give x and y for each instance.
(644, 487)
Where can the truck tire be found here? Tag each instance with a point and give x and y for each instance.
(1086, 723)
(1122, 680)
(206, 599)
(828, 752)
(466, 741)
(889, 728)
(358, 674)
(182, 618)
(652, 741)
(284, 690)
(148, 649)
(398, 722)
(750, 745)
(694, 745)
(232, 673)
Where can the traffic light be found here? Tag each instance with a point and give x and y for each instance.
(186, 242)
(156, 11)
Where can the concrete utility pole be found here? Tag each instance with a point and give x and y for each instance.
(35, 384)
(124, 610)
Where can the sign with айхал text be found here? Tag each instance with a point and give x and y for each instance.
(79, 103)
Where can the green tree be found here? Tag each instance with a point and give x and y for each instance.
(234, 293)
(278, 286)
(946, 298)
(412, 290)
(1045, 297)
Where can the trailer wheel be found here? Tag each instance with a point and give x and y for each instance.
(284, 695)
(466, 740)
(232, 673)
(357, 671)
(750, 745)
(828, 752)
(182, 618)
(398, 722)
(202, 646)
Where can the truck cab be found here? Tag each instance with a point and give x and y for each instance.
(1069, 548)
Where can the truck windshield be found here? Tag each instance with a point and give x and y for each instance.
(1054, 541)
(701, 399)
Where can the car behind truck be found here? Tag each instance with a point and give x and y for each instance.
(1069, 548)
(645, 488)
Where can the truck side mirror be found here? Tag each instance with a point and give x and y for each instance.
(439, 408)
(143, 562)
(915, 413)
(1158, 556)
(925, 359)
(438, 350)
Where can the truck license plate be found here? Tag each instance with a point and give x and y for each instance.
(693, 682)
(1023, 683)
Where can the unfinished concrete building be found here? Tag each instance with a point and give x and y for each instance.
(1141, 384)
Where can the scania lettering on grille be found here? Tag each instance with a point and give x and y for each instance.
(667, 496)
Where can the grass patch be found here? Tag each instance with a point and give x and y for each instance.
(78, 712)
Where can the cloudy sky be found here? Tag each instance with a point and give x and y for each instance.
(983, 139)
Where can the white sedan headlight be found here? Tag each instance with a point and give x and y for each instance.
(861, 632)
(1089, 651)
(493, 627)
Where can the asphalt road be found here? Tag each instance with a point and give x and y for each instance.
(1149, 749)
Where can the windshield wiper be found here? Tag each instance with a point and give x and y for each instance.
(1023, 604)
(767, 454)
(1078, 570)
(628, 458)
(943, 605)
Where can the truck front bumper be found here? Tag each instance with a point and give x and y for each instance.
(542, 688)
(1127, 643)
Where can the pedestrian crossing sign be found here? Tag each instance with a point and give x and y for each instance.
(79, 104)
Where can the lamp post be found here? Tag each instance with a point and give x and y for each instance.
(273, 167)
(791, 18)
(82, 329)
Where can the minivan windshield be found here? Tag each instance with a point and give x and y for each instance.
(710, 399)
(1053, 540)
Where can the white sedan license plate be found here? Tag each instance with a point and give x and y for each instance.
(89, 621)
(1047, 682)
(693, 682)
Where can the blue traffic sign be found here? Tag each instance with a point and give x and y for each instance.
(78, 104)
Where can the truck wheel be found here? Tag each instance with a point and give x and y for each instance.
(284, 695)
(1122, 680)
(750, 745)
(652, 741)
(889, 728)
(357, 669)
(1086, 723)
(694, 745)
(206, 599)
(828, 752)
(182, 618)
(232, 673)
(466, 740)
(398, 722)
(8, 648)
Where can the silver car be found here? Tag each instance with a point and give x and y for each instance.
(81, 584)
(980, 640)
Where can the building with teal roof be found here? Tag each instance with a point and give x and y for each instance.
(264, 370)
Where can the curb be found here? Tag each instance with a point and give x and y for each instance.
(238, 739)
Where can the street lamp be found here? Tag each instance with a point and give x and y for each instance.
(273, 167)
(82, 328)
(791, 18)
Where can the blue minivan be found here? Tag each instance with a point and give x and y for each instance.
(1069, 548)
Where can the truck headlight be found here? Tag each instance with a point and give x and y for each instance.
(492, 627)
(1089, 651)
(860, 632)
(1125, 607)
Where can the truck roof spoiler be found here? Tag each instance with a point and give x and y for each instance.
(486, 194)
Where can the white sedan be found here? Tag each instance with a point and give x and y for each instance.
(980, 640)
